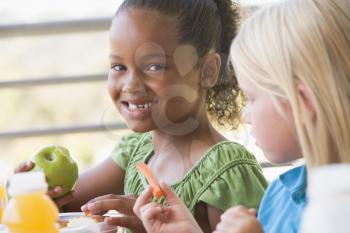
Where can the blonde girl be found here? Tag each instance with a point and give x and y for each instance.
(292, 61)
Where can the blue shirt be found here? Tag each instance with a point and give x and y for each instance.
(284, 201)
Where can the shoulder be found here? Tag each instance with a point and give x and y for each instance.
(227, 175)
(284, 202)
(132, 138)
(225, 160)
(288, 188)
(127, 147)
(227, 154)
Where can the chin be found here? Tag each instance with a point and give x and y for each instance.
(278, 159)
(140, 128)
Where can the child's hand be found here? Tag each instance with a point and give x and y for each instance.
(239, 220)
(120, 203)
(24, 167)
(172, 218)
(27, 166)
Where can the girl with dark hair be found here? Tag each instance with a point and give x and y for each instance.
(170, 78)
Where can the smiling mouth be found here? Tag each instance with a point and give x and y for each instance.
(137, 106)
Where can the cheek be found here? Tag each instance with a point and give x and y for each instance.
(260, 126)
(112, 84)
(176, 105)
(275, 135)
(114, 90)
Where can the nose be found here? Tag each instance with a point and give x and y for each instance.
(133, 82)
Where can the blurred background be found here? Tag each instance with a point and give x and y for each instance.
(53, 73)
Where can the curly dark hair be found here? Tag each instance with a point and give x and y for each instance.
(207, 25)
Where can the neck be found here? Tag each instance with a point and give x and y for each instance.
(202, 133)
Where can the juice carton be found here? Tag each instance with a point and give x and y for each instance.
(30, 210)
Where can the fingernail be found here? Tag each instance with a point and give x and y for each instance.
(57, 189)
(28, 163)
(91, 206)
(83, 208)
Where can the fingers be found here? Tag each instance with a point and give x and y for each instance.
(253, 211)
(152, 211)
(101, 207)
(62, 201)
(103, 204)
(239, 220)
(233, 212)
(24, 167)
(112, 196)
(142, 200)
(131, 222)
(170, 195)
(109, 196)
(54, 191)
(85, 208)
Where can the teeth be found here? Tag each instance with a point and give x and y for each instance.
(132, 107)
(139, 106)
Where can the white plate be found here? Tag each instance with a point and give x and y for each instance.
(101, 227)
(94, 228)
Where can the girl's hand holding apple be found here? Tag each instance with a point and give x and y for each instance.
(27, 166)
(54, 191)
(60, 169)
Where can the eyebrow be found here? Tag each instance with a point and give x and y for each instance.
(148, 56)
(112, 56)
(160, 55)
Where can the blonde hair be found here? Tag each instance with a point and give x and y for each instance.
(303, 43)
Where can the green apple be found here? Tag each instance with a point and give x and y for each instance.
(59, 168)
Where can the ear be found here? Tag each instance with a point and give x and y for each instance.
(306, 97)
(210, 70)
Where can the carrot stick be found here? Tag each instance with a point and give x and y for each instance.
(87, 213)
(151, 179)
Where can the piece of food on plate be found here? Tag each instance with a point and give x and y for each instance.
(84, 221)
(80, 223)
(62, 223)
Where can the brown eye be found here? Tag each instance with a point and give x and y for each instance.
(156, 67)
(118, 68)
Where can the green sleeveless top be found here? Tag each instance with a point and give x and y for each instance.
(225, 176)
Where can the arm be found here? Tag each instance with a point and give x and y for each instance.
(104, 178)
